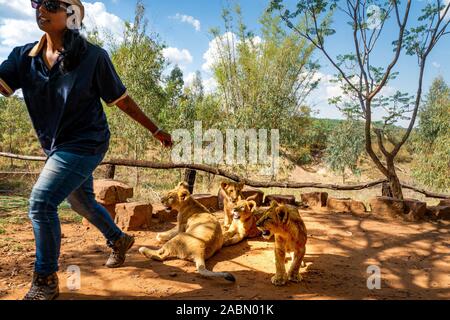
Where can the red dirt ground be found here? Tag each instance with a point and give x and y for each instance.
(414, 261)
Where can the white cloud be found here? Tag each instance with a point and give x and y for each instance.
(447, 2)
(107, 24)
(189, 79)
(19, 9)
(177, 56)
(220, 44)
(15, 32)
(210, 85)
(436, 64)
(188, 19)
(327, 89)
(216, 46)
(18, 24)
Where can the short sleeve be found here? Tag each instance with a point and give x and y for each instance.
(109, 85)
(9, 73)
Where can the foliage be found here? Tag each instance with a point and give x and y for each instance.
(140, 64)
(16, 132)
(432, 142)
(264, 81)
(344, 147)
(361, 81)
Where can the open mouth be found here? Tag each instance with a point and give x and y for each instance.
(266, 234)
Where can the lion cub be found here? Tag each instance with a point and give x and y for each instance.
(244, 223)
(232, 193)
(197, 236)
(285, 223)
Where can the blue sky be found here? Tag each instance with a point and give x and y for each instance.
(184, 27)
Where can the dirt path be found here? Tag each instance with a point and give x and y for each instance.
(414, 261)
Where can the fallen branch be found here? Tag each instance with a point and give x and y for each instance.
(235, 177)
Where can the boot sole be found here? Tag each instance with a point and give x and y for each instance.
(119, 265)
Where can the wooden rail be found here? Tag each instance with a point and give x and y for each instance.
(232, 176)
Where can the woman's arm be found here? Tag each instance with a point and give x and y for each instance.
(129, 106)
(5, 90)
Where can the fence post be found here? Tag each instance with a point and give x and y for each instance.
(110, 171)
(189, 177)
(386, 190)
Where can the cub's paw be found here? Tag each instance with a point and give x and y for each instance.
(160, 237)
(297, 278)
(149, 254)
(278, 280)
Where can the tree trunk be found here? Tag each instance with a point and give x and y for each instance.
(189, 177)
(386, 190)
(136, 169)
(394, 181)
(110, 171)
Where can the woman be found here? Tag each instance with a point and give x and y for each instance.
(63, 78)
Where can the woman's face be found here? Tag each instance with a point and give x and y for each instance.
(51, 22)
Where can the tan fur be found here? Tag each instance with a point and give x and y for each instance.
(232, 193)
(285, 223)
(244, 223)
(197, 236)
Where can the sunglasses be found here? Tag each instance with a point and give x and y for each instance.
(51, 6)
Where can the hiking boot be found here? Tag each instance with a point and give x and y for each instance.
(120, 248)
(43, 287)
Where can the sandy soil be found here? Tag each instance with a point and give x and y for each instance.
(414, 260)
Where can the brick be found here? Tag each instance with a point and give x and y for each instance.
(133, 216)
(408, 209)
(286, 199)
(208, 200)
(255, 194)
(345, 205)
(438, 212)
(315, 199)
(111, 191)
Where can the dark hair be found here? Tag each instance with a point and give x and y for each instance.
(75, 46)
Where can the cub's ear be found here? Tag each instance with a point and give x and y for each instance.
(252, 205)
(183, 194)
(273, 204)
(184, 185)
(224, 185)
(282, 214)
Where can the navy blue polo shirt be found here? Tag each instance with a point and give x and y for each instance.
(65, 108)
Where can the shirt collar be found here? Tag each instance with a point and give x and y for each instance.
(38, 47)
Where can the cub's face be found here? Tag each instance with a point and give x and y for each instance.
(176, 197)
(232, 190)
(272, 220)
(243, 210)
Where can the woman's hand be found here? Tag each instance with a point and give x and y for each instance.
(165, 138)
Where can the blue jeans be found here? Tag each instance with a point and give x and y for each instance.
(65, 175)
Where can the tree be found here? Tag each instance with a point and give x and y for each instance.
(344, 147)
(196, 90)
(264, 80)
(361, 81)
(432, 143)
(174, 86)
(140, 63)
(16, 132)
